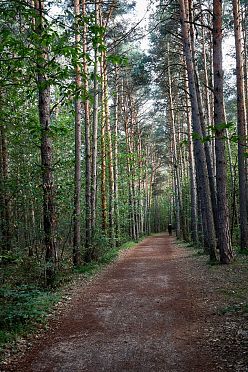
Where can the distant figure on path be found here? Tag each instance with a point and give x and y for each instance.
(170, 228)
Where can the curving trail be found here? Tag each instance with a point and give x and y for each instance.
(140, 314)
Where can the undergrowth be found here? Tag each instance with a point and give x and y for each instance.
(235, 308)
(25, 303)
(109, 256)
(21, 309)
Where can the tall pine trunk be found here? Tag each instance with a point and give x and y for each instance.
(4, 197)
(78, 145)
(49, 215)
(192, 175)
(223, 228)
(242, 125)
(88, 168)
(201, 166)
(103, 157)
(109, 152)
(116, 165)
(95, 130)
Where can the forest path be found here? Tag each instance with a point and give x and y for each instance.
(142, 313)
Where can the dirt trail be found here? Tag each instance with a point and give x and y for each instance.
(140, 314)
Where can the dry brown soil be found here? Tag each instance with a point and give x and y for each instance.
(148, 311)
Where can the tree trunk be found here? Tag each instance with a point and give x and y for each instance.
(201, 167)
(202, 120)
(223, 229)
(95, 130)
(4, 197)
(78, 146)
(116, 169)
(242, 124)
(193, 188)
(88, 199)
(103, 157)
(177, 183)
(49, 215)
(109, 152)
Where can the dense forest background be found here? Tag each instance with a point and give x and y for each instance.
(102, 143)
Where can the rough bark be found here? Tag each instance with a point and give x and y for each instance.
(103, 158)
(109, 152)
(207, 147)
(115, 160)
(201, 167)
(193, 188)
(4, 197)
(242, 125)
(78, 145)
(88, 168)
(49, 215)
(223, 228)
(95, 130)
(177, 183)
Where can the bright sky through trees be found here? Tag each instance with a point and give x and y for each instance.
(142, 12)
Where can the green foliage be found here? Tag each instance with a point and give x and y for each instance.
(235, 308)
(109, 256)
(117, 59)
(243, 252)
(22, 308)
(196, 136)
(221, 126)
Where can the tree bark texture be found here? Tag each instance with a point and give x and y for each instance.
(49, 214)
(223, 228)
(242, 126)
(95, 130)
(88, 168)
(201, 167)
(4, 197)
(78, 145)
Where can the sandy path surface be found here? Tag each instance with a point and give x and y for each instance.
(140, 314)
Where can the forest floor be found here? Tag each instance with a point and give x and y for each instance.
(159, 307)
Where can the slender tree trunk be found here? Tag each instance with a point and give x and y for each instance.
(201, 167)
(95, 129)
(203, 126)
(110, 153)
(78, 146)
(49, 215)
(193, 188)
(116, 169)
(242, 125)
(223, 229)
(4, 197)
(88, 199)
(103, 157)
(174, 142)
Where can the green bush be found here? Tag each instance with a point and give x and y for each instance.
(21, 308)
